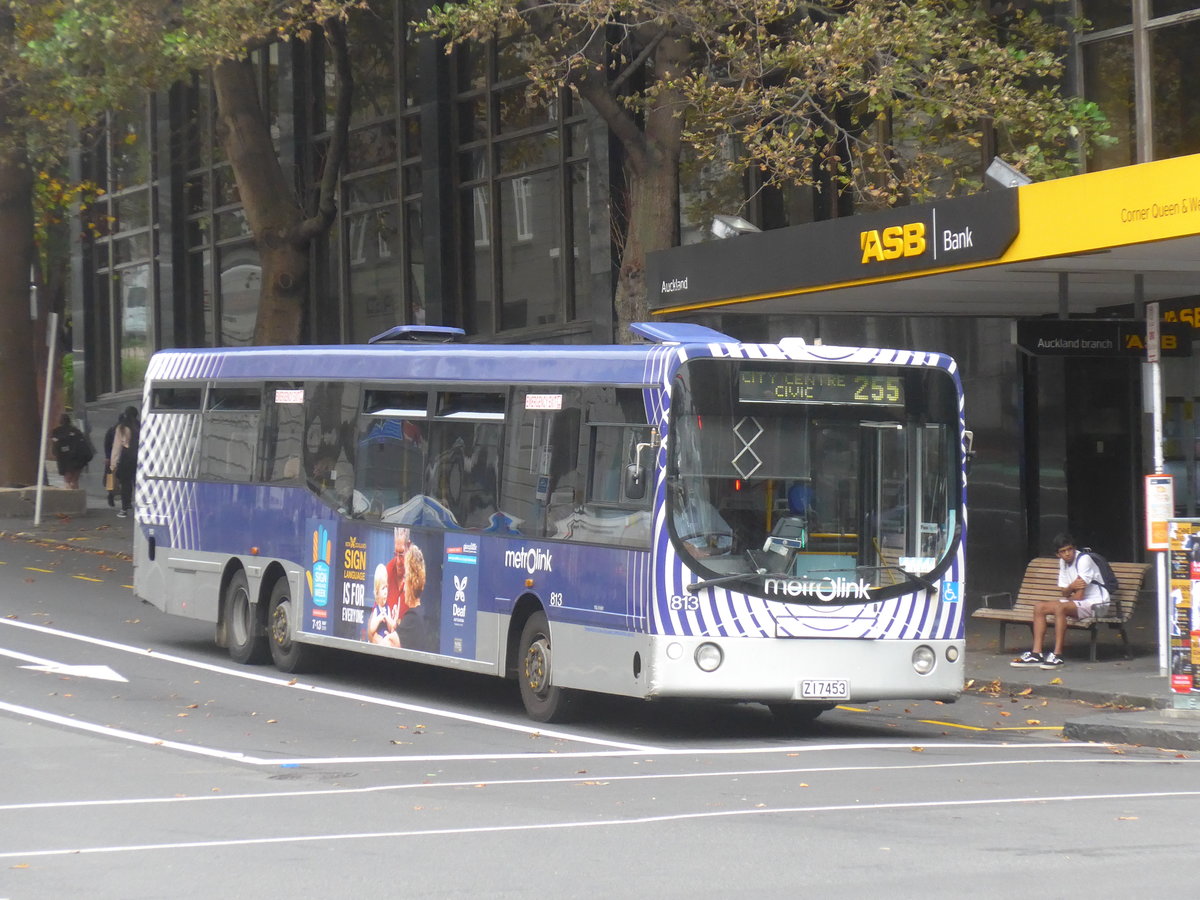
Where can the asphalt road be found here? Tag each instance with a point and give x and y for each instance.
(141, 763)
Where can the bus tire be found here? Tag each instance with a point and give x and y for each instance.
(288, 655)
(544, 701)
(796, 716)
(247, 645)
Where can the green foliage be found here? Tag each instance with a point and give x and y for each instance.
(886, 99)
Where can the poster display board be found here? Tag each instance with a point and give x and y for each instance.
(1183, 608)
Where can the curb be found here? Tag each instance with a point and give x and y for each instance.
(1098, 698)
(1155, 729)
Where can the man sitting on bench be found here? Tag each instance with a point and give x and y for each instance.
(1082, 588)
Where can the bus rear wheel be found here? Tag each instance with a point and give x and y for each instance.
(544, 701)
(287, 654)
(246, 642)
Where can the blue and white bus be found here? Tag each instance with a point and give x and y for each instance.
(689, 516)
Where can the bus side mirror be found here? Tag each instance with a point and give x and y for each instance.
(635, 472)
(635, 481)
(968, 446)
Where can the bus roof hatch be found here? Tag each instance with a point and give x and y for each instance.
(420, 334)
(678, 333)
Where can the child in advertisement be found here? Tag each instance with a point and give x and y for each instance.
(381, 626)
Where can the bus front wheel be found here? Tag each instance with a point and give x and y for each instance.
(287, 654)
(544, 701)
(246, 642)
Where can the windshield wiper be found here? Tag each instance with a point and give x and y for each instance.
(709, 582)
(912, 576)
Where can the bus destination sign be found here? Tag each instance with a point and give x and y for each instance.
(780, 386)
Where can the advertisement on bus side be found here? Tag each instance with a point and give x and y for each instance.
(397, 587)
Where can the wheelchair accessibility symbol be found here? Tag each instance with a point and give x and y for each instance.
(950, 591)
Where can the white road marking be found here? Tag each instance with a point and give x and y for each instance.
(104, 673)
(295, 762)
(328, 692)
(575, 779)
(604, 823)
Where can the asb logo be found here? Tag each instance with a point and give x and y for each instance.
(892, 243)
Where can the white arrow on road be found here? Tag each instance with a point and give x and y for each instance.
(103, 673)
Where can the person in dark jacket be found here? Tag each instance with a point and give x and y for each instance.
(71, 451)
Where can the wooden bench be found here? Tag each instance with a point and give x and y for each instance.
(1041, 583)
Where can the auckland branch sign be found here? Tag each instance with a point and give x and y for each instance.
(868, 247)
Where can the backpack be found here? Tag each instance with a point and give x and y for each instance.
(86, 450)
(1108, 578)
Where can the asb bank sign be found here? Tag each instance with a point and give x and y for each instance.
(868, 247)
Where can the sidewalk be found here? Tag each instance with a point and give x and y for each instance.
(98, 530)
(1131, 699)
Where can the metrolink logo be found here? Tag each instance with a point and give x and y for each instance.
(825, 590)
(529, 559)
(892, 243)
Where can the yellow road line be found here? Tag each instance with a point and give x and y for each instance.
(85, 578)
(1029, 728)
(952, 725)
(32, 569)
(852, 708)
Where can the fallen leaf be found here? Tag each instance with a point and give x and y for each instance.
(272, 721)
(181, 715)
(1005, 713)
(19, 866)
(1127, 818)
(917, 749)
(1025, 693)
(192, 706)
(1033, 721)
(1056, 681)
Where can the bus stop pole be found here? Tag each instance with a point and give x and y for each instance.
(1153, 355)
(52, 343)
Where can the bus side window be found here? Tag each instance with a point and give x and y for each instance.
(463, 470)
(282, 443)
(330, 423)
(391, 465)
(229, 435)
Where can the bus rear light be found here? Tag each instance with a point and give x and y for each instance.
(923, 660)
(254, 551)
(528, 582)
(709, 657)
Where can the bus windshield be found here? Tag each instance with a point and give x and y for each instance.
(799, 473)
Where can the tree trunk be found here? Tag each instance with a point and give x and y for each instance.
(653, 225)
(653, 172)
(269, 200)
(19, 409)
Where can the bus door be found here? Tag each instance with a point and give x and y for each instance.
(903, 485)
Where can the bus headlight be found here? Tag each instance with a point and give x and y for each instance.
(952, 654)
(709, 657)
(923, 660)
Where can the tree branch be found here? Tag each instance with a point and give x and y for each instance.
(315, 225)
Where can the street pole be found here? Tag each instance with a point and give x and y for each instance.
(52, 343)
(1153, 355)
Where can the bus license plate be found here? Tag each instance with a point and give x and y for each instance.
(825, 689)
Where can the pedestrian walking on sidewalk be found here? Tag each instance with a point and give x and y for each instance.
(123, 457)
(110, 478)
(72, 451)
(1082, 588)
